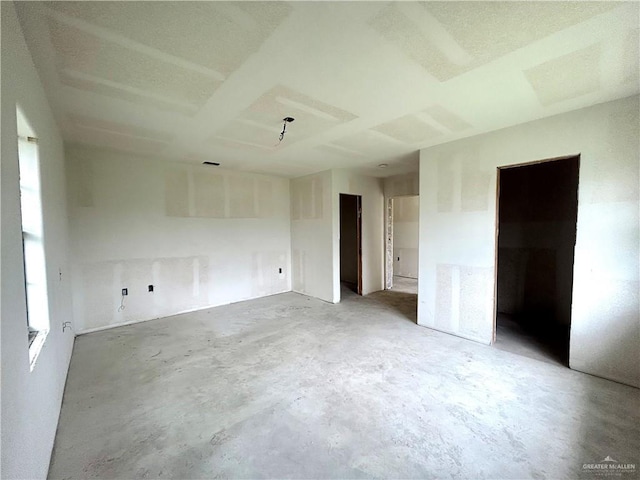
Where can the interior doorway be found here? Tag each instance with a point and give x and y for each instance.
(536, 232)
(351, 242)
(403, 243)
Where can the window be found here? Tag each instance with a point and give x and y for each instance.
(35, 275)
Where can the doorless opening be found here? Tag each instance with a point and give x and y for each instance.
(403, 236)
(536, 233)
(351, 242)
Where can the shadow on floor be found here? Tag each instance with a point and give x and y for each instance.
(349, 286)
(405, 304)
(549, 345)
(402, 298)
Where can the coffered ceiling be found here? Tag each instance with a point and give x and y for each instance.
(367, 82)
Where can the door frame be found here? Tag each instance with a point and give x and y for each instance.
(358, 235)
(389, 238)
(359, 240)
(497, 227)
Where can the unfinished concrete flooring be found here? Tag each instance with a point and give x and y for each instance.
(405, 284)
(292, 387)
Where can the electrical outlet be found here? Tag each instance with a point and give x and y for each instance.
(125, 291)
(151, 288)
(280, 270)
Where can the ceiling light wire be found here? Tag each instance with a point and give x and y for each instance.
(284, 127)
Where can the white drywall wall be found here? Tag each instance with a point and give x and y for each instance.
(30, 399)
(405, 236)
(372, 192)
(457, 231)
(202, 236)
(315, 232)
(401, 185)
(311, 236)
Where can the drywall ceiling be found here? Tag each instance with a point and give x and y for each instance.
(367, 82)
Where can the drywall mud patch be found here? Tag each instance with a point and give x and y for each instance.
(450, 38)
(238, 27)
(142, 97)
(194, 192)
(444, 293)
(447, 119)
(264, 198)
(398, 185)
(131, 275)
(241, 197)
(307, 198)
(241, 134)
(266, 278)
(318, 198)
(337, 150)
(119, 128)
(476, 285)
(296, 200)
(180, 284)
(257, 125)
(367, 142)
(118, 141)
(408, 36)
(76, 50)
(408, 129)
(209, 195)
(406, 209)
(299, 270)
(308, 193)
(568, 76)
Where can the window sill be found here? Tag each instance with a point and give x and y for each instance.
(36, 347)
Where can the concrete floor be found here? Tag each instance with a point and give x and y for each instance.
(405, 284)
(289, 386)
(552, 347)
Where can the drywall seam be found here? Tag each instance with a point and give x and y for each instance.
(605, 311)
(191, 310)
(143, 207)
(373, 227)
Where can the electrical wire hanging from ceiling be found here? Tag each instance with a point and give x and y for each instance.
(284, 127)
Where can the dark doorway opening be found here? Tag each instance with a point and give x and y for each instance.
(537, 213)
(351, 242)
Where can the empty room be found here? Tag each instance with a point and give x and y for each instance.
(320, 240)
